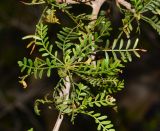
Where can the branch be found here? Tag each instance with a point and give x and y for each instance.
(58, 122)
(96, 5)
(75, 1)
(125, 4)
(93, 3)
(65, 93)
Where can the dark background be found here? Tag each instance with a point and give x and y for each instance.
(138, 103)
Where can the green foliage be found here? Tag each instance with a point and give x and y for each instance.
(93, 81)
(30, 129)
(41, 101)
(110, 83)
(123, 51)
(103, 123)
(141, 8)
(151, 5)
(154, 7)
(39, 66)
(154, 22)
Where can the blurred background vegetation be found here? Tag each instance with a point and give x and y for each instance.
(138, 103)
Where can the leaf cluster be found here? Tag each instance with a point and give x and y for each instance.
(103, 123)
(142, 9)
(93, 81)
(77, 46)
